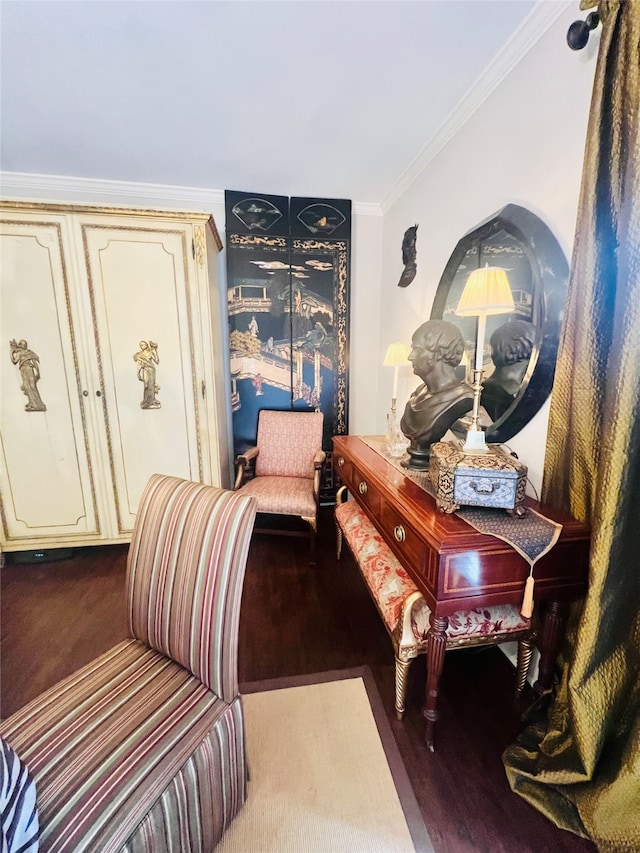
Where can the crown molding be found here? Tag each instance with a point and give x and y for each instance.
(88, 190)
(366, 208)
(67, 188)
(542, 16)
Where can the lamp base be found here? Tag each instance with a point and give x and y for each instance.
(474, 442)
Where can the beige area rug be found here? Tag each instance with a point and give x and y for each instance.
(326, 774)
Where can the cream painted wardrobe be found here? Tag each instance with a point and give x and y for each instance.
(111, 359)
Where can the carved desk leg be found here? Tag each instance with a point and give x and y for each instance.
(436, 647)
(551, 634)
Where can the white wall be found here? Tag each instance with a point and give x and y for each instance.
(367, 325)
(524, 145)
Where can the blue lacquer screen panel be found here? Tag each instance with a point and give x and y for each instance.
(288, 269)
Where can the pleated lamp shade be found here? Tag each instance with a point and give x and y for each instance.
(396, 355)
(486, 292)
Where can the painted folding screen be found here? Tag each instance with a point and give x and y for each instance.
(288, 308)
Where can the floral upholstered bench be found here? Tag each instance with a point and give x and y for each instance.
(404, 611)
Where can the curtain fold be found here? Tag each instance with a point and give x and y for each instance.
(579, 760)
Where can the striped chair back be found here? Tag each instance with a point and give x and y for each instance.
(185, 573)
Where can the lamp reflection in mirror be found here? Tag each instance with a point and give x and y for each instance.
(397, 354)
(486, 292)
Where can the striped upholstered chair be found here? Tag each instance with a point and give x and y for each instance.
(143, 749)
(288, 463)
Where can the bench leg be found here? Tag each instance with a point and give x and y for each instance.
(436, 647)
(525, 652)
(402, 671)
(340, 499)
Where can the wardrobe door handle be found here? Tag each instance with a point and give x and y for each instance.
(85, 393)
(340, 461)
(98, 393)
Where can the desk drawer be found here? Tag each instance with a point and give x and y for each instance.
(403, 539)
(344, 469)
(358, 485)
(365, 493)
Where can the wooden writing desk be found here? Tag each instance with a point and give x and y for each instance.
(457, 568)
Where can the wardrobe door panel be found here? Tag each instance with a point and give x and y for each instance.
(139, 286)
(48, 490)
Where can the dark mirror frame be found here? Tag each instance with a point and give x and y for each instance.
(546, 285)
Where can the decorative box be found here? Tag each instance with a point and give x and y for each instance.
(492, 479)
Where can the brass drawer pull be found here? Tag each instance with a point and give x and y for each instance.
(398, 532)
(340, 461)
(362, 488)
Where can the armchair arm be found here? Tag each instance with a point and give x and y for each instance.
(319, 458)
(406, 638)
(242, 460)
(318, 461)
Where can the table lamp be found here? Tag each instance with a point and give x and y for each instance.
(397, 354)
(478, 475)
(486, 292)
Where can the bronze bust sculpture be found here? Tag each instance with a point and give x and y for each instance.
(436, 350)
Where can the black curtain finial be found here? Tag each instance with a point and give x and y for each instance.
(579, 31)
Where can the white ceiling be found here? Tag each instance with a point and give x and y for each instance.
(301, 97)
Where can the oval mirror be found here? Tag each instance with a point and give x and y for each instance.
(520, 348)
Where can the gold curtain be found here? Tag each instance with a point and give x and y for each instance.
(579, 760)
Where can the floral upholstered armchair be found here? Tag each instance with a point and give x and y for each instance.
(143, 749)
(288, 463)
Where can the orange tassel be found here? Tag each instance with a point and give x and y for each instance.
(527, 602)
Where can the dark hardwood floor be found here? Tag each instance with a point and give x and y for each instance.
(299, 619)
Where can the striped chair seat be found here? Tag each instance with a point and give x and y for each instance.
(106, 742)
(404, 611)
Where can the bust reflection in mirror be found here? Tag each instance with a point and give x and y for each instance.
(511, 348)
(437, 347)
